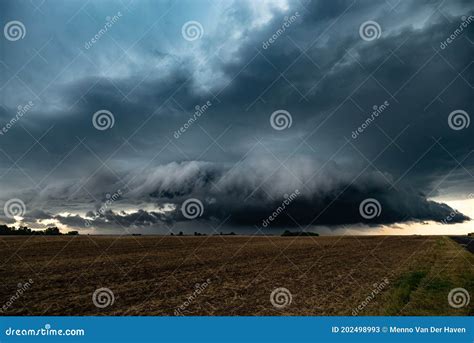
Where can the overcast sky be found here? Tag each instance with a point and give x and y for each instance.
(260, 116)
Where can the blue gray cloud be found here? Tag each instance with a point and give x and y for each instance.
(219, 92)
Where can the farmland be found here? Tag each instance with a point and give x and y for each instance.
(226, 275)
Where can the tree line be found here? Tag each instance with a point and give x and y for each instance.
(26, 231)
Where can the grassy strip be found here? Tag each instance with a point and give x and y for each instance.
(424, 287)
(401, 293)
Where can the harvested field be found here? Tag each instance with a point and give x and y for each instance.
(225, 275)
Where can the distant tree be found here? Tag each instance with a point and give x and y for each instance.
(5, 230)
(26, 231)
(180, 233)
(298, 233)
(52, 231)
(73, 233)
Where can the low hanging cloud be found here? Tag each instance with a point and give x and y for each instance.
(245, 194)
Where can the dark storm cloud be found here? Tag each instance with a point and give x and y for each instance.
(251, 192)
(247, 194)
(329, 91)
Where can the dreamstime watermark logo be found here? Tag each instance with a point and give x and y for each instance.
(109, 22)
(111, 198)
(14, 30)
(192, 30)
(370, 30)
(281, 120)
(103, 297)
(192, 208)
(458, 297)
(459, 120)
(199, 288)
(22, 288)
(281, 297)
(14, 208)
(377, 288)
(21, 111)
(377, 110)
(103, 120)
(44, 331)
(456, 33)
(199, 111)
(286, 24)
(370, 208)
(288, 200)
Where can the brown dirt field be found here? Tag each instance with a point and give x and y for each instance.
(153, 275)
